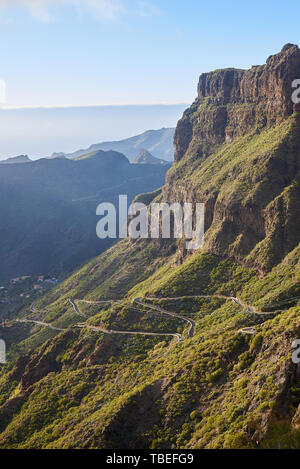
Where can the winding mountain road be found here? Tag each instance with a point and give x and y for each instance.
(236, 300)
(160, 310)
(41, 323)
(248, 330)
(250, 309)
(76, 309)
(109, 331)
(155, 309)
(100, 302)
(101, 329)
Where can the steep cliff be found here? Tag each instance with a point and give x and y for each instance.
(232, 103)
(237, 149)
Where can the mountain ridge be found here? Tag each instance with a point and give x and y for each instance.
(245, 219)
(230, 381)
(56, 203)
(145, 157)
(17, 159)
(232, 102)
(158, 142)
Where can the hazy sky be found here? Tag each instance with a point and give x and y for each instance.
(40, 132)
(66, 52)
(98, 52)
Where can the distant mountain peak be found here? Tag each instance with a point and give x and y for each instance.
(57, 155)
(113, 155)
(145, 157)
(16, 159)
(158, 142)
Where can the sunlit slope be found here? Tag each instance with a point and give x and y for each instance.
(150, 346)
(219, 388)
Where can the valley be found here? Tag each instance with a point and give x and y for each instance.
(52, 229)
(151, 346)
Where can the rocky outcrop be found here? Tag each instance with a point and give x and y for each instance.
(239, 151)
(232, 103)
(17, 159)
(145, 157)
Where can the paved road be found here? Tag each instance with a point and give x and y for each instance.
(100, 302)
(32, 308)
(155, 308)
(224, 297)
(40, 323)
(191, 322)
(188, 296)
(101, 329)
(76, 309)
(109, 331)
(247, 330)
(251, 310)
(160, 310)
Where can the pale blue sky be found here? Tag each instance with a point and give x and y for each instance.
(82, 52)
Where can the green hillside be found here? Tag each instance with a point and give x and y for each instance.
(151, 346)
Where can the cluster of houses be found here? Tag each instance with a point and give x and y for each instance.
(19, 279)
(38, 284)
(41, 278)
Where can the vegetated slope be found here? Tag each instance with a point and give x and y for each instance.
(145, 157)
(158, 142)
(229, 382)
(48, 209)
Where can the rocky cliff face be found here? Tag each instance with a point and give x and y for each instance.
(237, 149)
(231, 103)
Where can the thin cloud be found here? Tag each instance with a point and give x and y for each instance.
(39, 9)
(102, 9)
(147, 9)
(46, 10)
